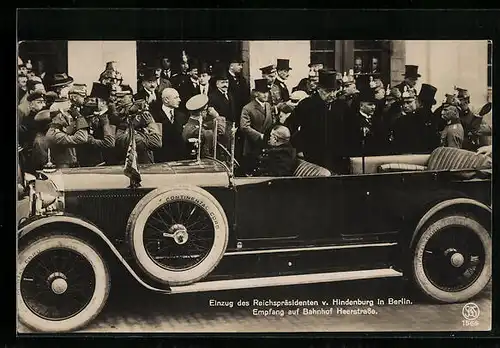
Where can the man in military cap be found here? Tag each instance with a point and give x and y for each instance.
(411, 76)
(77, 95)
(181, 75)
(190, 85)
(404, 138)
(255, 122)
(453, 132)
(35, 85)
(474, 126)
(172, 120)
(283, 69)
(276, 99)
(67, 130)
(101, 137)
(27, 126)
(149, 92)
(321, 118)
(201, 115)
(147, 134)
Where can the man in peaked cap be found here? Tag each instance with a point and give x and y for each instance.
(77, 94)
(309, 83)
(283, 69)
(406, 139)
(411, 76)
(201, 115)
(475, 127)
(256, 121)
(319, 126)
(453, 132)
(276, 99)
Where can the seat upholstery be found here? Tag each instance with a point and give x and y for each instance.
(447, 158)
(400, 167)
(305, 168)
(372, 163)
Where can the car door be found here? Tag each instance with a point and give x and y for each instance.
(289, 211)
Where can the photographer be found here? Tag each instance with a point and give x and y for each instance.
(147, 134)
(101, 134)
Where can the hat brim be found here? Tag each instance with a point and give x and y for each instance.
(283, 68)
(64, 82)
(412, 75)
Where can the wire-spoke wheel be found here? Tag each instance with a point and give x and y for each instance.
(178, 235)
(62, 284)
(452, 259)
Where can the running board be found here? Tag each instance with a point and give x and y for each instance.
(285, 280)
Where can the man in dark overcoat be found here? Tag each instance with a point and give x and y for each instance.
(283, 70)
(322, 138)
(411, 76)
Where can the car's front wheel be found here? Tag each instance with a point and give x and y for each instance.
(452, 259)
(62, 283)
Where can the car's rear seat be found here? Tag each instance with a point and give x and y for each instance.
(305, 168)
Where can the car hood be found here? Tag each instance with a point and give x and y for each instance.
(207, 172)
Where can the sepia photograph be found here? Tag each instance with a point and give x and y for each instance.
(243, 186)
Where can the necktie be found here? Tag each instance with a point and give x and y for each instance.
(172, 116)
(225, 95)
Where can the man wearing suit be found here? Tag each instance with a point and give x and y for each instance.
(283, 69)
(256, 121)
(238, 86)
(190, 86)
(149, 92)
(172, 121)
(221, 99)
(411, 77)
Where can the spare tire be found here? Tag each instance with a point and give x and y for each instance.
(178, 235)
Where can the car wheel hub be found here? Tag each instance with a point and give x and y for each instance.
(457, 260)
(179, 233)
(58, 283)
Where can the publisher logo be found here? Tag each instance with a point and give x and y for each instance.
(470, 311)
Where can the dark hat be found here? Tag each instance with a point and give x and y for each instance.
(261, 86)
(113, 65)
(411, 71)
(193, 64)
(51, 96)
(283, 64)
(235, 58)
(59, 79)
(366, 94)
(100, 90)
(427, 93)
(148, 74)
(268, 69)
(220, 74)
(44, 115)
(30, 85)
(328, 79)
(204, 68)
(316, 59)
(196, 102)
(363, 81)
(35, 95)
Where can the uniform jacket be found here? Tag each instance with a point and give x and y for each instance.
(367, 136)
(100, 144)
(191, 130)
(173, 145)
(147, 137)
(62, 140)
(475, 130)
(254, 123)
(277, 161)
(452, 135)
(186, 90)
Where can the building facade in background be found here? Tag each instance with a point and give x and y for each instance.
(444, 64)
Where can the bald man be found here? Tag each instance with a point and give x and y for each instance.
(172, 120)
(279, 158)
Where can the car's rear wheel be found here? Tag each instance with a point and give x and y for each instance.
(452, 259)
(62, 283)
(178, 235)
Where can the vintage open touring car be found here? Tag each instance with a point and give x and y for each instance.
(195, 226)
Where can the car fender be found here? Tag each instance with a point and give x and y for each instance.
(30, 227)
(443, 205)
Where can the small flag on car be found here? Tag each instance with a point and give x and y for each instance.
(131, 170)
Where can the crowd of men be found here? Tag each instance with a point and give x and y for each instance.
(325, 119)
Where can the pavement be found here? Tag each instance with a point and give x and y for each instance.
(133, 309)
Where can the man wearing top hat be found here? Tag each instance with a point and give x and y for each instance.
(238, 85)
(201, 114)
(366, 131)
(427, 124)
(255, 122)
(475, 128)
(411, 76)
(172, 121)
(149, 92)
(283, 69)
(309, 84)
(190, 85)
(221, 99)
(60, 83)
